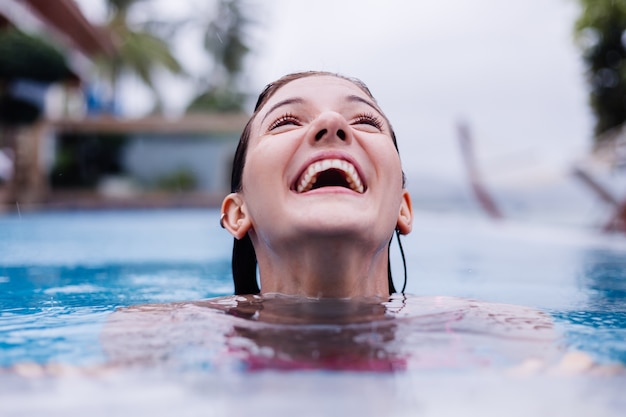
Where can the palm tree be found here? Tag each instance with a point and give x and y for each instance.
(26, 57)
(139, 50)
(600, 31)
(225, 40)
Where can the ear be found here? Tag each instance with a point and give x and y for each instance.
(235, 218)
(405, 216)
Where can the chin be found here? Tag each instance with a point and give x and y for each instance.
(335, 226)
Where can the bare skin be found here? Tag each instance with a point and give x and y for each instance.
(329, 241)
(291, 333)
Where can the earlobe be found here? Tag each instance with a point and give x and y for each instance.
(234, 216)
(405, 216)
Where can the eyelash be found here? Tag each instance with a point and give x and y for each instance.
(364, 118)
(284, 120)
(369, 119)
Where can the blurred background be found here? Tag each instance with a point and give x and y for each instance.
(507, 110)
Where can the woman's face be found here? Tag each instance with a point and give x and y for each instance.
(321, 162)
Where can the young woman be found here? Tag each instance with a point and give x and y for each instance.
(317, 191)
(317, 195)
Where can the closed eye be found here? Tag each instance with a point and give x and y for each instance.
(368, 119)
(284, 120)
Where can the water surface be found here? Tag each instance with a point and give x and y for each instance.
(63, 274)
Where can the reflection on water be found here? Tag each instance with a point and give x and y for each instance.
(291, 333)
(55, 313)
(27, 289)
(294, 334)
(61, 276)
(599, 325)
(599, 333)
(61, 273)
(604, 277)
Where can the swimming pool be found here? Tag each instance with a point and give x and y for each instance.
(62, 274)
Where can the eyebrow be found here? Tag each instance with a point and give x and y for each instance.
(298, 100)
(295, 100)
(362, 100)
(371, 104)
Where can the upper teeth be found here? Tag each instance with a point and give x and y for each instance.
(309, 177)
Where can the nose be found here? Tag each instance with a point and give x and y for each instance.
(331, 126)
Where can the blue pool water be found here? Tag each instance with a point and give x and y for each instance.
(63, 274)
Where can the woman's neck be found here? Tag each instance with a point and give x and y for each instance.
(324, 268)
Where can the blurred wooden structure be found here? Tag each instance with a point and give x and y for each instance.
(610, 154)
(31, 176)
(486, 202)
(63, 22)
(61, 19)
(194, 123)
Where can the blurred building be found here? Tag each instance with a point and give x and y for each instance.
(180, 162)
(58, 33)
(196, 150)
(62, 24)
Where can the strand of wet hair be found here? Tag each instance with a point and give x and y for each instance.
(403, 260)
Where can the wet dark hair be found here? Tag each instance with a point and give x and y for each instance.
(244, 261)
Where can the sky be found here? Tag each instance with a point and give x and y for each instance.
(509, 69)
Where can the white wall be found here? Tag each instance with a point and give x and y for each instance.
(150, 157)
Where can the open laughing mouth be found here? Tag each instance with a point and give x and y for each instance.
(330, 173)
